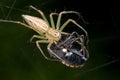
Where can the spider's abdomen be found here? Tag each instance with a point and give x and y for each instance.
(42, 27)
(37, 24)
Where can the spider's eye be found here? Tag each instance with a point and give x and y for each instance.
(57, 34)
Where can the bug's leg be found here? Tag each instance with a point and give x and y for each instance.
(38, 46)
(74, 22)
(16, 22)
(36, 36)
(60, 15)
(51, 20)
(40, 12)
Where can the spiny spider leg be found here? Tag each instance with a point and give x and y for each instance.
(51, 19)
(38, 46)
(60, 15)
(16, 22)
(37, 36)
(41, 13)
(74, 22)
(49, 45)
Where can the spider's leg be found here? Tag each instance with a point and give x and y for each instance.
(60, 15)
(37, 36)
(38, 46)
(53, 52)
(40, 12)
(16, 22)
(74, 22)
(51, 20)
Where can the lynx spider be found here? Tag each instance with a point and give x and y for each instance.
(47, 32)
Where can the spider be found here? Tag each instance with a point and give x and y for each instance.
(59, 42)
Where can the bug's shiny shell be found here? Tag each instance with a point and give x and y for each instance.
(71, 53)
(71, 57)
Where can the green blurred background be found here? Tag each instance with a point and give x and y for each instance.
(21, 60)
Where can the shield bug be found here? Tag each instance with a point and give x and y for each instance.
(70, 50)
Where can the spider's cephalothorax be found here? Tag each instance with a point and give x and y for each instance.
(62, 46)
(70, 50)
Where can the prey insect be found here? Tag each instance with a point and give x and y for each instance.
(68, 48)
(71, 49)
